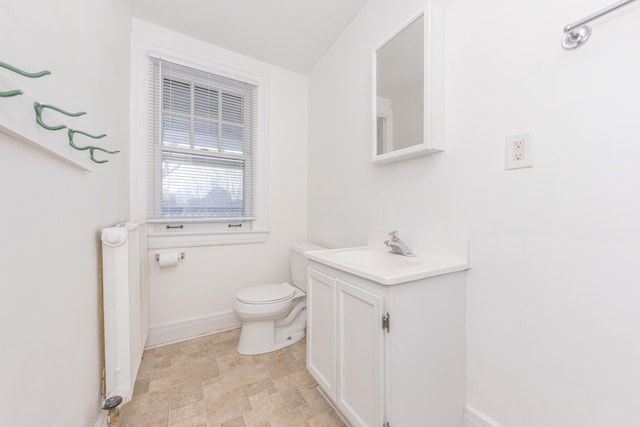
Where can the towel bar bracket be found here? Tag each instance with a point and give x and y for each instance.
(577, 34)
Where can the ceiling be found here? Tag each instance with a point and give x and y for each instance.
(292, 34)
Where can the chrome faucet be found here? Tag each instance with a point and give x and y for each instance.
(398, 246)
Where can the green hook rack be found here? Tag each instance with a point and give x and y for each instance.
(91, 148)
(22, 73)
(38, 107)
(30, 133)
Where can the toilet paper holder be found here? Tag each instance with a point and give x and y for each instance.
(180, 256)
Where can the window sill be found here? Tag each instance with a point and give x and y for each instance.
(195, 239)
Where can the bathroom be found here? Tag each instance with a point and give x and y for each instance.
(551, 304)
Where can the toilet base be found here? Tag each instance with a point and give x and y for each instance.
(269, 335)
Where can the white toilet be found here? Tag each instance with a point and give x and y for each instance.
(274, 316)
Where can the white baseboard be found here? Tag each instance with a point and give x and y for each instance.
(190, 328)
(475, 418)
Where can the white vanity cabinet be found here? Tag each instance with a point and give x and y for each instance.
(409, 375)
(321, 319)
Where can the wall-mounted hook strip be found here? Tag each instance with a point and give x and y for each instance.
(38, 107)
(22, 73)
(91, 148)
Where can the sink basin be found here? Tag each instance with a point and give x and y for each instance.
(377, 264)
(377, 259)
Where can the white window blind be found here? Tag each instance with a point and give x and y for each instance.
(202, 146)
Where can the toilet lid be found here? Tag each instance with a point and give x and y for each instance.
(263, 294)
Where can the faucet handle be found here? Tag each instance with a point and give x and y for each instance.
(394, 235)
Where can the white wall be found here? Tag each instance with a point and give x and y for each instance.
(196, 296)
(51, 212)
(553, 337)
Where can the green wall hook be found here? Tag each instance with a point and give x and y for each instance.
(91, 148)
(22, 73)
(10, 93)
(71, 132)
(39, 107)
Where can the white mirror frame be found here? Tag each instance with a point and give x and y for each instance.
(433, 140)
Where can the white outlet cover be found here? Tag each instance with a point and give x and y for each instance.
(510, 161)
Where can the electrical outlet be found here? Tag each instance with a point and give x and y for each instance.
(519, 151)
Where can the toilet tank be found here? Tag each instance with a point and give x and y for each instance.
(299, 263)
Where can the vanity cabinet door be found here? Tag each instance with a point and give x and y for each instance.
(321, 330)
(360, 355)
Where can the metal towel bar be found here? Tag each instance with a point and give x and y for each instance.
(577, 34)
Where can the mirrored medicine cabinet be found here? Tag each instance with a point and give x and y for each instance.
(408, 89)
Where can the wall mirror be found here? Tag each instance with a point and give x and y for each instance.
(408, 90)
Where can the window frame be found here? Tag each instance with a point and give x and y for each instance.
(193, 232)
(162, 151)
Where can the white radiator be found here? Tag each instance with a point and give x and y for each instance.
(126, 305)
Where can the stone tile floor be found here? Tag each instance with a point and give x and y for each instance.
(204, 382)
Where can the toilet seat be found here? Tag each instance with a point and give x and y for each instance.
(266, 294)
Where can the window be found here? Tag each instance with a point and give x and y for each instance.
(202, 149)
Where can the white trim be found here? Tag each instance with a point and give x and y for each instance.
(385, 111)
(475, 418)
(151, 40)
(185, 329)
(433, 138)
(202, 64)
(191, 240)
(198, 220)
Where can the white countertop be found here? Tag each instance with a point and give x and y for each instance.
(435, 256)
